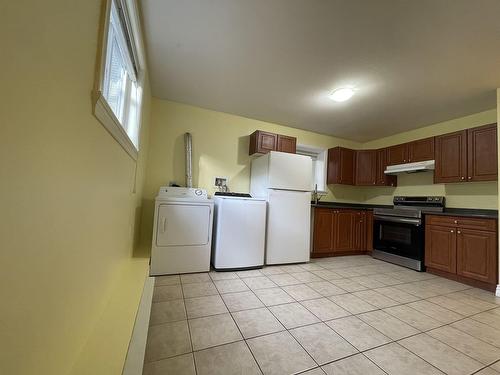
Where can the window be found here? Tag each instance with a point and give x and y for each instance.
(118, 89)
(319, 164)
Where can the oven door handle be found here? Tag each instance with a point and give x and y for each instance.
(394, 219)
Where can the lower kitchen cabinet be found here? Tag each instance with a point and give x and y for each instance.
(341, 232)
(463, 249)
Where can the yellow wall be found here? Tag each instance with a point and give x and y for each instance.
(466, 195)
(68, 214)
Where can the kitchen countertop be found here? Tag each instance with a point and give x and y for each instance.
(469, 212)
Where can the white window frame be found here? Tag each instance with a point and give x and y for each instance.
(101, 109)
(321, 156)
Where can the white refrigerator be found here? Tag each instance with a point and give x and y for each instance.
(285, 181)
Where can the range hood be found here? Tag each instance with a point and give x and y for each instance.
(420, 166)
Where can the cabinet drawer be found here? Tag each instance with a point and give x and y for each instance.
(462, 222)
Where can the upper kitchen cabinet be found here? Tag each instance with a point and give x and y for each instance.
(467, 155)
(382, 178)
(262, 142)
(420, 150)
(341, 166)
(287, 144)
(366, 167)
(482, 157)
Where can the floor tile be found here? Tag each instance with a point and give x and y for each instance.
(436, 312)
(418, 289)
(487, 371)
(229, 359)
(322, 343)
(348, 285)
(368, 281)
(199, 289)
(260, 282)
(279, 353)
(165, 312)
(283, 279)
(291, 268)
(463, 342)
(271, 270)
(167, 340)
(455, 305)
(325, 309)
(483, 295)
(397, 294)
(293, 315)
(355, 365)
(213, 330)
(351, 303)
(376, 299)
(273, 296)
(328, 275)
(386, 279)
(227, 275)
(166, 293)
(180, 365)
(204, 306)
(440, 355)
(388, 325)
(325, 288)
(301, 292)
(241, 301)
(306, 277)
(413, 317)
(230, 286)
(249, 273)
(358, 333)
(167, 280)
(479, 330)
(195, 278)
(496, 366)
(316, 371)
(396, 360)
(471, 300)
(491, 318)
(257, 322)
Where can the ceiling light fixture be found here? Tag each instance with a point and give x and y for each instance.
(342, 94)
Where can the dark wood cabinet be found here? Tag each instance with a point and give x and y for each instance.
(462, 248)
(421, 150)
(397, 154)
(451, 157)
(482, 160)
(341, 232)
(366, 168)
(287, 144)
(440, 248)
(382, 178)
(476, 258)
(340, 166)
(262, 142)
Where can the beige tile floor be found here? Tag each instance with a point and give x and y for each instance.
(344, 315)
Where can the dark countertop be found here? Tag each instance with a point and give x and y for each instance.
(469, 212)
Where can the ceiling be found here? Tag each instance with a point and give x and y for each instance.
(413, 63)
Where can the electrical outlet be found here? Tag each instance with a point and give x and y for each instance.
(220, 181)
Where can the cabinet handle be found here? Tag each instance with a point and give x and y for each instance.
(164, 225)
(463, 178)
(459, 232)
(470, 177)
(452, 231)
(455, 221)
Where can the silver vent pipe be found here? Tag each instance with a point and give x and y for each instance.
(188, 144)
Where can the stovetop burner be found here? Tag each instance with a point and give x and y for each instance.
(412, 207)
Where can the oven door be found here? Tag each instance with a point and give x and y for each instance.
(399, 236)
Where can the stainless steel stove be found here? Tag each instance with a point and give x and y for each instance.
(398, 235)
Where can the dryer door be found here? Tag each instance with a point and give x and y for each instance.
(182, 225)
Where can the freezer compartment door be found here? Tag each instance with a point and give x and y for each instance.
(183, 225)
(290, 171)
(288, 227)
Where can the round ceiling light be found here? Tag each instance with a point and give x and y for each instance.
(342, 94)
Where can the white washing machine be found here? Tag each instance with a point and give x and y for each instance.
(239, 231)
(182, 231)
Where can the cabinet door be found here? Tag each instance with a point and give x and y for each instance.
(382, 178)
(451, 157)
(262, 142)
(369, 231)
(343, 233)
(341, 166)
(360, 231)
(421, 150)
(477, 255)
(287, 144)
(441, 248)
(397, 154)
(366, 167)
(323, 227)
(482, 153)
